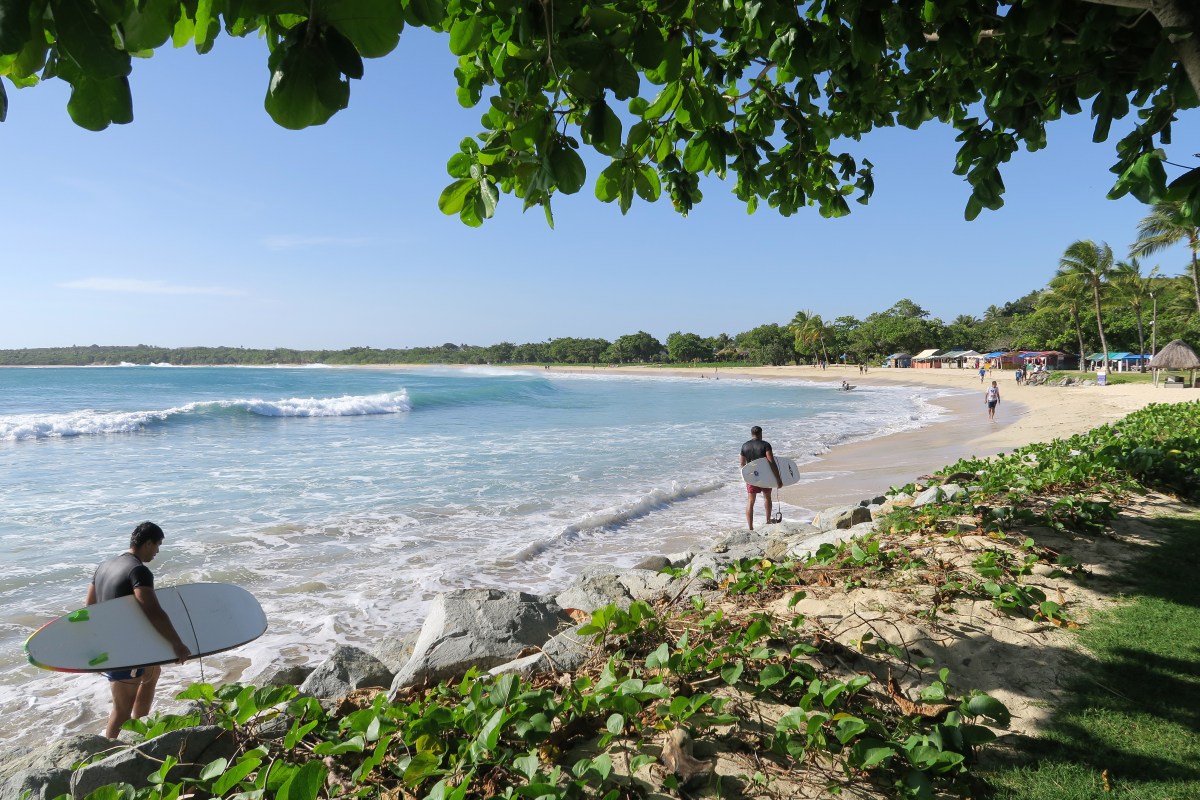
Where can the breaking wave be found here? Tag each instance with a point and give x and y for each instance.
(89, 422)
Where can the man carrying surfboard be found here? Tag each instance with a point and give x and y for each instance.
(127, 574)
(754, 449)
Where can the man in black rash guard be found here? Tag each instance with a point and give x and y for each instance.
(127, 574)
(754, 449)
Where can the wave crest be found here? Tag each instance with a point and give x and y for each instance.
(611, 519)
(89, 422)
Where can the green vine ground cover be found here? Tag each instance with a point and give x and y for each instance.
(788, 709)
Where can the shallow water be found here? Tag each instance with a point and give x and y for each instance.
(344, 499)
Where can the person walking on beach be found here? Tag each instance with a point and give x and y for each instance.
(981, 371)
(754, 449)
(992, 398)
(127, 574)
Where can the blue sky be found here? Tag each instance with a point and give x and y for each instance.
(203, 223)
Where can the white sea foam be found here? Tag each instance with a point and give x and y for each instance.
(89, 422)
(346, 406)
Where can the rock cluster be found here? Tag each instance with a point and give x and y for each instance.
(489, 629)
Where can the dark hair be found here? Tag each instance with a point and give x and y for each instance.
(756, 431)
(146, 532)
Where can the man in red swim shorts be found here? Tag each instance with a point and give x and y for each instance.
(754, 449)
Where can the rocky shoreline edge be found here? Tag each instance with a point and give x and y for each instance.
(491, 630)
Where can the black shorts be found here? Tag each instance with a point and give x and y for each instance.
(125, 674)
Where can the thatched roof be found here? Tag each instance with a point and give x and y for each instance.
(1176, 355)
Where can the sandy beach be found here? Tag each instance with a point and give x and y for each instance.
(1026, 414)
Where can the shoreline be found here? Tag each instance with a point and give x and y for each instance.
(856, 470)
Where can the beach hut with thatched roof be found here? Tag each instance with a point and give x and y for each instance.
(1177, 355)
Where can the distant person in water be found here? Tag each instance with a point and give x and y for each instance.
(127, 574)
(754, 449)
(992, 398)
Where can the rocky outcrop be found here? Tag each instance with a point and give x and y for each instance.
(46, 773)
(477, 628)
(595, 591)
(842, 517)
(938, 494)
(347, 669)
(194, 747)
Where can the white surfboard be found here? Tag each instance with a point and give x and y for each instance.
(116, 635)
(758, 472)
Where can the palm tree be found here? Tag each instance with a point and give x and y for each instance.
(1089, 266)
(1164, 226)
(1064, 294)
(1135, 288)
(809, 330)
(796, 326)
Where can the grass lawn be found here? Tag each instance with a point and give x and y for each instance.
(1132, 728)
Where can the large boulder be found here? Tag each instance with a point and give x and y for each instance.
(937, 494)
(595, 591)
(347, 669)
(842, 517)
(476, 628)
(567, 651)
(64, 753)
(45, 773)
(790, 534)
(282, 675)
(643, 584)
(395, 650)
(194, 747)
(35, 783)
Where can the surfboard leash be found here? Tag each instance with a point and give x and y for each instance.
(195, 636)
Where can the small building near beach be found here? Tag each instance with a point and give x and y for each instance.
(1121, 362)
(961, 359)
(927, 359)
(1047, 359)
(898, 361)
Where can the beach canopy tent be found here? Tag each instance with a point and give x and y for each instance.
(927, 358)
(1004, 358)
(1178, 355)
(1120, 360)
(1050, 359)
(899, 360)
(958, 358)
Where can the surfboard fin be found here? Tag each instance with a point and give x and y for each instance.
(79, 616)
(98, 660)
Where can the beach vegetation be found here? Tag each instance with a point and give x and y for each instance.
(768, 97)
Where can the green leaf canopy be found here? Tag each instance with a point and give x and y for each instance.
(773, 95)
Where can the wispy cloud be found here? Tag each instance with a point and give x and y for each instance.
(289, 242)
(131, 286)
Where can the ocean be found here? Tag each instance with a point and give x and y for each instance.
(344, 499)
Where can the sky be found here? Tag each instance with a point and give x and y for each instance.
(204, 223)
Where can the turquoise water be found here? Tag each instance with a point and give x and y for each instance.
(344, 499)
